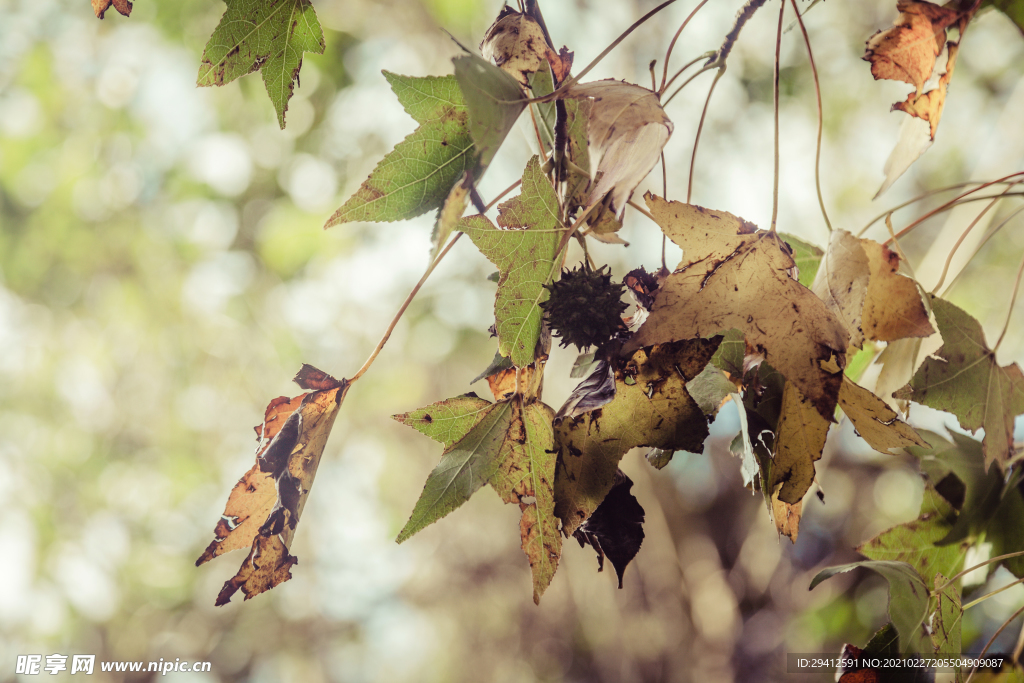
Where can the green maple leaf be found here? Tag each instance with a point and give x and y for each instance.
(475, 434)
(914, 542)
(967, 381)
(524, 252)
(494, 99)
(651, 408)
(417, 175)
(265, 35)
(506, 444)
(946, 626)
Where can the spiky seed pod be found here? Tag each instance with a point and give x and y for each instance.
(585, 307)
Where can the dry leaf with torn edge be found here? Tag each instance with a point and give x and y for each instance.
(516, 43)
(908, 52)
(734, 276)
(100, 7)
(265, 505)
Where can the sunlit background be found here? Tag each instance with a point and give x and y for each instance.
(163, 274)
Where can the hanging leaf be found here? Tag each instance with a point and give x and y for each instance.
(947, 621)
(597, 390)
(710, 389)
(859, 281)
(731, 274)
(265, 505)
(799, 440)
(908, 597)
(265, 35)
(651, 408)
(516, 43)
(494, 101)
(523, 249)
(966, 380)
(616, 529)
(626, 131)
(100, 7)
(875, 421)
(418, 174)
(907, 52)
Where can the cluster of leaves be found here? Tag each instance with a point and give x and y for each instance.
(749, 316)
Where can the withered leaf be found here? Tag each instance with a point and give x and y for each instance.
(597, 390)
(966, 380)
(516, 43)
(101, 6)
(651, 408)
(627, 129)
(616, 529)
(798, 444)
(266, 504)
(787, 517)
(735, 276)
(875, 421)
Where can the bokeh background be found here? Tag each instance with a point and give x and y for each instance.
(163, 274)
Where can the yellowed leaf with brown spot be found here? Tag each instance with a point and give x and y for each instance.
(799, 441)
(101, 6)
(875, 421)
(734, 276)
(787, 517)
(907, 51)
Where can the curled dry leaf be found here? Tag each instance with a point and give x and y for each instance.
(101, 6)
(859, 281)
(651, 408)
(875, 421)
(627, 129)
(616, 529)
(734, 276)
(597, 390)
(787, 517)
(265, 505)
(908, 52)
(516, 43)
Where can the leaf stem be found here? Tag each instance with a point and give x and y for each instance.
(775, 98)
(992, 640)
(972, 603)
(963, 236)
(925, 195)
(700, 128)
(821, 116)
(967, 571)
(984, 241)
(703, 69)
(648, 214)
(706, 55)
(671, 46)
(416, 289)
(951, 202)
(1009, 313)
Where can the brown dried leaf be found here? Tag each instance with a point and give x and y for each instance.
(787, 517)
(516, 43)
(875, 421)
(859, 281)
(798, 444)
(907, 51)
(266, 504)
(627, 129)
(101, 6)
(734, 276)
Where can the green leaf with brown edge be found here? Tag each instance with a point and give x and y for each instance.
(475, 433)
(528, 471)
(710, 388)
(651, 408)
(908, 597)
(524, 252)
(265, 35)
(947, 621)
(965, 379)
(731, 275)
(494, 100)
(799, 440)
(418, 174)
(914, 542)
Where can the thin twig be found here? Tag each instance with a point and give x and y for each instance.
(992, 640)
(951, 202)
(984, 240)
(1009, 313)
(687, 82)
(742, 17)
(686, 66)
(401, 311)
(967, 571)
(775, 90)
(925, 195)
(671, 46)
(972, 603)
(963, 236)
(643, 211)
(700, 128)
(503, 193)
(821, 117)
(664, 195)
